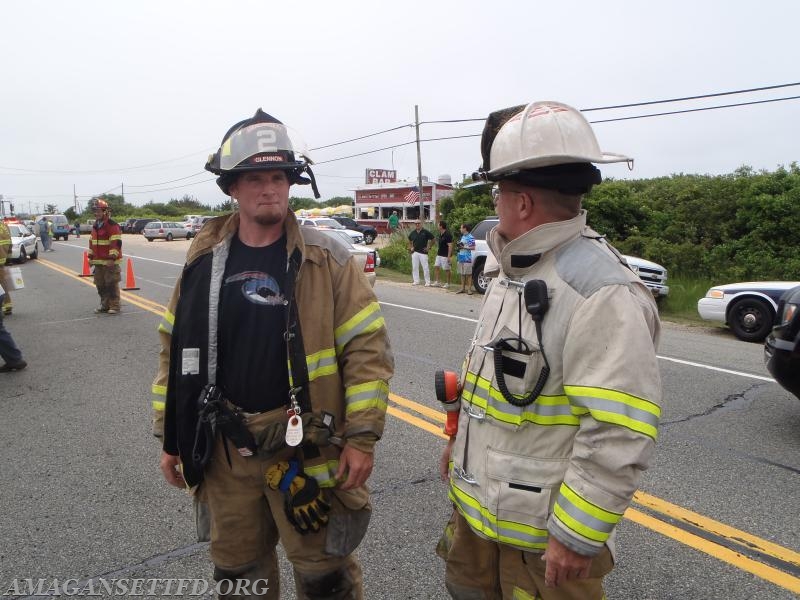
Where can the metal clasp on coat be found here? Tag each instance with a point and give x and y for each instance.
(511, 283)
(475, 412)
(464, 476)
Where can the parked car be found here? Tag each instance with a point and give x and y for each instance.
(368, 231)
(782, 350)
(653, 275)
(195, 223)
(127, 225)
(748, 308)
(61, 225)
(139, 225)
(24, 244)
(328, 223)
(165, 230)
(361, 254)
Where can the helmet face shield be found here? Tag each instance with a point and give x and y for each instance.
(262, 146)
(261, 143)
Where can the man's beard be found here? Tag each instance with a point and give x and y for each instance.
(271, 219)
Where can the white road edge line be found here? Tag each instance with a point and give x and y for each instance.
(124, 256)
(667, 358)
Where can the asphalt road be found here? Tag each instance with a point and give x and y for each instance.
(82, 497)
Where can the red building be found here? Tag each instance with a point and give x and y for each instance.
(374, 202)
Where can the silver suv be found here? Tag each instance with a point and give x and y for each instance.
(653, 275)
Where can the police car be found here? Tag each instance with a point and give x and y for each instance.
(23, 243)
(748, 308)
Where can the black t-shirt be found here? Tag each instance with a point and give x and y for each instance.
(252, 367)
(419, 239)
(445, 239)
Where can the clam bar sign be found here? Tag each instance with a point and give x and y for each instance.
(381, 176)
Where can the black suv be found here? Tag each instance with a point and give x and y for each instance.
(126, 226)
(138, 225)
(782, 350)
(369, 232)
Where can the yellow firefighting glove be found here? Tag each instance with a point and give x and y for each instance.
(304, 504)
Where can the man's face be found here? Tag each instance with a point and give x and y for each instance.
(98, 213)
(418, 225)
(263, 196)
(506, 206)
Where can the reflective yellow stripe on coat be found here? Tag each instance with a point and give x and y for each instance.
(367, 320)
(483, 520)
(547, 410)
(583, 518)
(617, 408)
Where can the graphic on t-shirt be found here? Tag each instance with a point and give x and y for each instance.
(258, 287)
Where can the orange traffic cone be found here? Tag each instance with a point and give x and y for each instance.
(130, 280)
(87, 272)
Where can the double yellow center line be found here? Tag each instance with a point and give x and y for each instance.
(745, 551)
(764, 559)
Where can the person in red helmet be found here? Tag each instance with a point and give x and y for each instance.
(105, 254)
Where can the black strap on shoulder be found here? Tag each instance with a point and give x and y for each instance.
(295, 349)
(293, 336)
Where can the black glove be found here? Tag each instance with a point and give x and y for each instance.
(304, 503)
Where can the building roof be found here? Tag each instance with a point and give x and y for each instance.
(400, 185)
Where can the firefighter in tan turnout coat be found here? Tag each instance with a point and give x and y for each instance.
(273, 380)
(560, 393)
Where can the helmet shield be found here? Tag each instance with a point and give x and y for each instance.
(262, 146)
(260, 143)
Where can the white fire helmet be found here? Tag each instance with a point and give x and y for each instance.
(543, 134)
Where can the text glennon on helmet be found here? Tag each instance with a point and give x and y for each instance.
(546, 143)
(261, 143)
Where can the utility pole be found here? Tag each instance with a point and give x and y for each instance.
(419, 166)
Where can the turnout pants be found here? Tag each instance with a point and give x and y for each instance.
(106, 280)
(248, 519)
(480, 569)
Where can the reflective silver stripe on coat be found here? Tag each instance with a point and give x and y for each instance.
(219, 256)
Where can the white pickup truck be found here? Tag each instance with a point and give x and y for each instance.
(653, 275)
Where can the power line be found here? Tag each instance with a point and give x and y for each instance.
(362, 137)
(166, 182)
(716, 95)
(661, 114)
(650, 102)
(689, 110)
(172, 188)
(322, 162)
(96, 171)
(630, 105)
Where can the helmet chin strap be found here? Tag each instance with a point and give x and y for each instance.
(313, 182)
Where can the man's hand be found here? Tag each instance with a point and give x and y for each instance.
(444, 459)
(563, 564)
(170, 467)
(356, 464)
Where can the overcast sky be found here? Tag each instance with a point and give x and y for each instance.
(97, 90)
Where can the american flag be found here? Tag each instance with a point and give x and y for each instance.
(412, 197)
